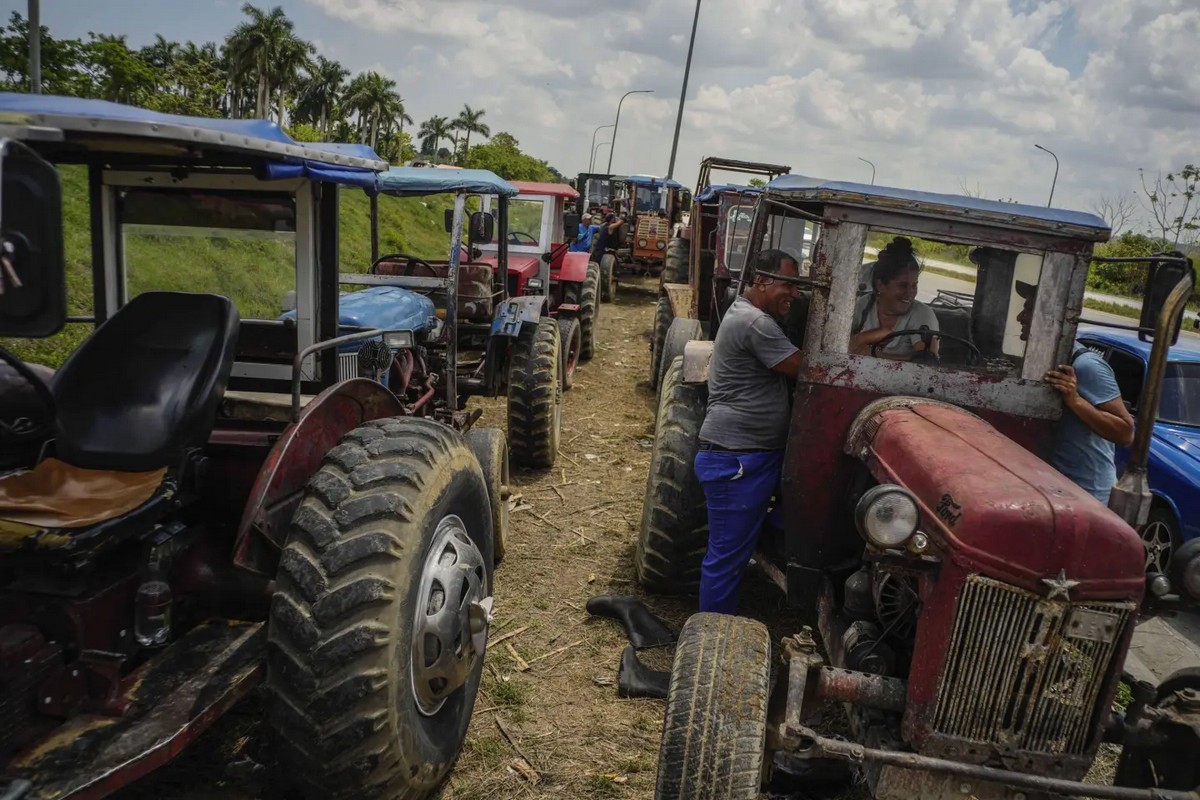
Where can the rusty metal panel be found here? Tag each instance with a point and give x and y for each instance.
(682, 298)
(1024, 672)
(994, 392)
(835, 289)
(1055, 314)
(697, 355)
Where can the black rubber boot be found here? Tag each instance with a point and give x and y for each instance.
(635, 679)
(642, 627)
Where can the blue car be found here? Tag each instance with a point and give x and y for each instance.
(1175, 447)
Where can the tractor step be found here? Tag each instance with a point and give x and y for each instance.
(173, 698)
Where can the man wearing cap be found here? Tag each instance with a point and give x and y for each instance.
(1095, 419)
(745, 428)
(583, 239)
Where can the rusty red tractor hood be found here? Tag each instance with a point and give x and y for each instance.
(991, 506)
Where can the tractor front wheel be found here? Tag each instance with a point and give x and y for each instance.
(673, 537)
(571, 339)
(715, 730)
(681, 331)
(535, 395)
(589, 311)
(675, 261)
(491, 449)
(608, 278)
(379, 618)
(662, 321)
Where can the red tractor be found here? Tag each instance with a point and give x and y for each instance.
(199, 501)
(973, 606)
(541, 264)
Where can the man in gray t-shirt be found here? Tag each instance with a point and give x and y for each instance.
(745, 428)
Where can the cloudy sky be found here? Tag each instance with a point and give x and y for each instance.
(938, 94)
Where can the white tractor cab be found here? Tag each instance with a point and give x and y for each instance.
(484, 339)
(206, 505)
(541, 264)
(973, 605)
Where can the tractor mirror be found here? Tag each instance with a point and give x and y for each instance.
(449, 220)
(482, 227)
(1161, 278)
(33, 288)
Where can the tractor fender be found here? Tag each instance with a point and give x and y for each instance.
(294, 458)
(574, 268)
(697, 355)
(516, 311)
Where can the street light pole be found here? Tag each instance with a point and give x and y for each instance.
(597, 149)
(1055, 181)
(590, 163)
(35, 47)
(860, 158)
(683, 94)
(617, 124)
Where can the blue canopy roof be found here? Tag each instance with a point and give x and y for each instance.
(710, 192)
(75, 116)
(650, 180)
(410, 181)
(820, 190)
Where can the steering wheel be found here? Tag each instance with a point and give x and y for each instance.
(411, 263)
(27, 411)
(926, 333)
(514, 237)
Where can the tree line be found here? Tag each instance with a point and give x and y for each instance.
(262, 70)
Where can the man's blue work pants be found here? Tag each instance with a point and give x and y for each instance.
(738, 488)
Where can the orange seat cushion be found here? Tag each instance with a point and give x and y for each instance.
(56, 495)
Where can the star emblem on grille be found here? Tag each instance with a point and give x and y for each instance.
(1060, 586)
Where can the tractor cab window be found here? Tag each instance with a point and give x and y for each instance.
(525, 223)
(597, 192)
(648, 200)
(954, 305)
(240, 244)
(736, 225)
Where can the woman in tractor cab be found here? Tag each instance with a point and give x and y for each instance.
(893, 306)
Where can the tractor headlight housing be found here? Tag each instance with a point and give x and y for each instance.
(642, 243)
(399, 340)
(887, 516)
(661, 245)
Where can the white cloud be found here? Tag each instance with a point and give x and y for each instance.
(933, 91)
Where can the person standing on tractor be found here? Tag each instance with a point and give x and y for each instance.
(745, 427)
(583, 239)
(1096, 420)
(602, 240)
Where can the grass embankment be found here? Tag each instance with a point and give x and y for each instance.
(1095, 305)
(254, 273)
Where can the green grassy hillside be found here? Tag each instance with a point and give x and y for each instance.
(254, 273)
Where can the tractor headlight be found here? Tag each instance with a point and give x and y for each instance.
(399, 340)
(661, 245)
(887, 516)
(533, 285)
(642, 243)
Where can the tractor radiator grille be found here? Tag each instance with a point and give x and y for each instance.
(347, 366)
(1025, 672)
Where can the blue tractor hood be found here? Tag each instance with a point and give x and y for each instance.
(388, 308)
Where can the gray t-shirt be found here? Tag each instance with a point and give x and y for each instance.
(866, 318)
(747, 401)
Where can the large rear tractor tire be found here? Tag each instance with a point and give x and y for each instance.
(675, 261)
(535, 395)
(673, 537)
(571, 340)
(491, 450)
(608, 278)
(715, 728)
(377, 625)
(662, 321)
(589, 311)
(681, 331)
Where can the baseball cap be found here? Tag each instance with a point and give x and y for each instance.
(1026, 290)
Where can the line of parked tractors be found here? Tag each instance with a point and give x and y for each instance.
(195, 504)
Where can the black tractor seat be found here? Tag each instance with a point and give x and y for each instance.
(135, 405)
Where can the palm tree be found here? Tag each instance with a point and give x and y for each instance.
(294, 56)
(255, 47)
(432, 131)
(321, 92)
(374, 98)
(468, 122)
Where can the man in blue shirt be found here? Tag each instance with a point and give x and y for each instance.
(1095, 419)
(583, 239)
